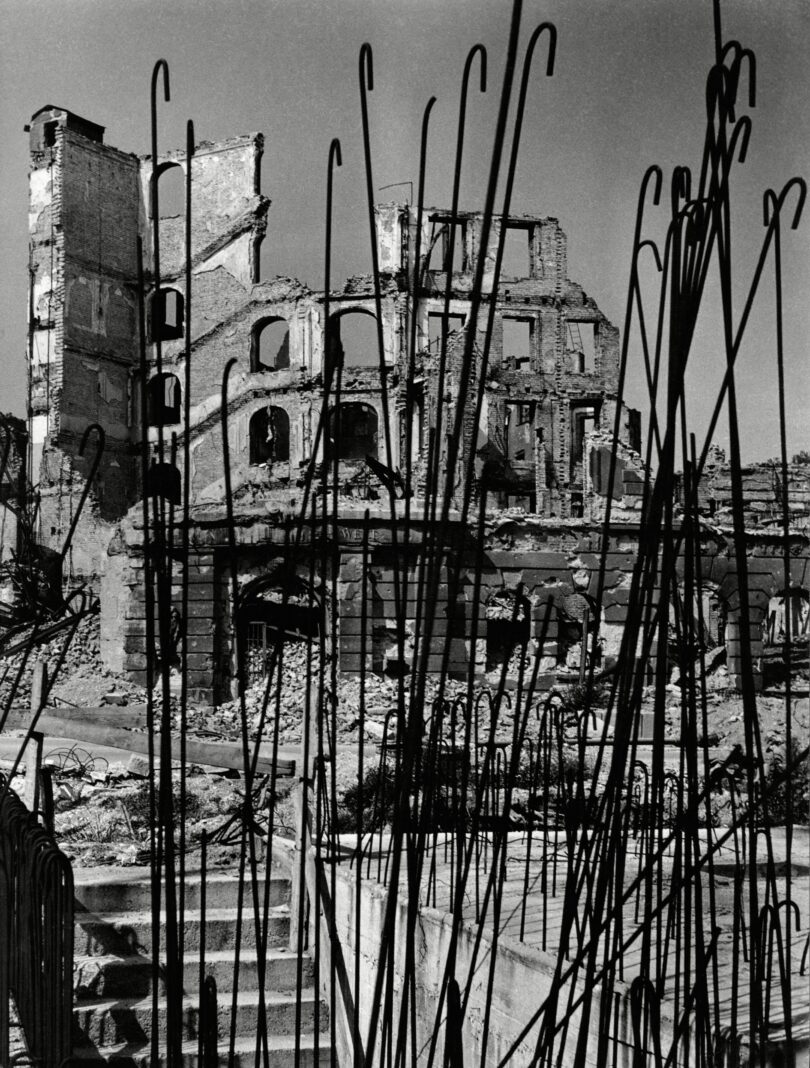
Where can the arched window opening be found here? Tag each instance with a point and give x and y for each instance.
(787, 617)
(508, 630)
(277, 610)
(163, 400)
(164, 481)
(353, 336)
(167, 315)
(270, 345)
(171, 191)
(269, 436)
(353, 432)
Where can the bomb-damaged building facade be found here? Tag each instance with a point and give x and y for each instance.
(542, 442)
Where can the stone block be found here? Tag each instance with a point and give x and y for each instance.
(196, 625)
(135, 662)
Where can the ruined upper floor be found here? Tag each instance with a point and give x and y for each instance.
(546, 361)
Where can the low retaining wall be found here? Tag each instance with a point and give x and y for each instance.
(521, 982)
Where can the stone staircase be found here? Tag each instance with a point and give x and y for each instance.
(113, 997)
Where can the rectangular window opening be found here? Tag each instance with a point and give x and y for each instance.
(583, 421)
(515, 263)
(455, 233)
(517, 344)
(435, 323)
(519, 431)
(580, 344)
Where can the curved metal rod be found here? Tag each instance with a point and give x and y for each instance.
(418, 268)
(477, 49)
(771, 200)
(366, 77)
(321, 431)
(766, 934)
(741, 129)
(100, 443)
(680, 187)
(653, 175)
(643, 992)
(335, 159)
(791, 906)
(801, 185)
(160, 66)
(650, 244)
(460, 701)
(740, 54)
(551, 29)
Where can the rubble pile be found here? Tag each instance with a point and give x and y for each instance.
(378, 695)
(75, 651)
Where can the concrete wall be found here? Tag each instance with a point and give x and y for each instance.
(522, 981)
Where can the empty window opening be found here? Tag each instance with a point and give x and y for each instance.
(787, 617)
(270, 345)
(50, 133)
(269, 436)
(580, 345)
(353, 435)
(171, 191)
(415, 421)
(164, 481)
(515, 263)
(276, 615)
(167, 318)
(709, 618)
(163, 400)
(517, 343)
(583, 421)
(438, 326)
(526, 501)
(354, 339)
(519, 431)
(452, 241)
(508, 630)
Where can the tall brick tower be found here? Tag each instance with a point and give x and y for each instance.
(83, 353)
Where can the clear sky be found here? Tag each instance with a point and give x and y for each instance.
(628, 90)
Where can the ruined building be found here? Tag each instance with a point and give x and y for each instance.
(542, 443)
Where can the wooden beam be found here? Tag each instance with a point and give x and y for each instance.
(212, 754)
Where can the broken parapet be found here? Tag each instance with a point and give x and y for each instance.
(763, 490)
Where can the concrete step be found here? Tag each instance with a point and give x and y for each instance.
(129, 1020)
(281, 1050)
(221, 892)
(130, 933)
(112, 976)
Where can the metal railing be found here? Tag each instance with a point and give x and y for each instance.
(36, 934)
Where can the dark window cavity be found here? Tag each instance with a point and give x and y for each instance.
(167, 318)
(353, 432)
(269, 436)
(163, 400)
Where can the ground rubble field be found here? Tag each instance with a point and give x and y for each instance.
(103, 808)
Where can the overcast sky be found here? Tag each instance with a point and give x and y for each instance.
(628, 90)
